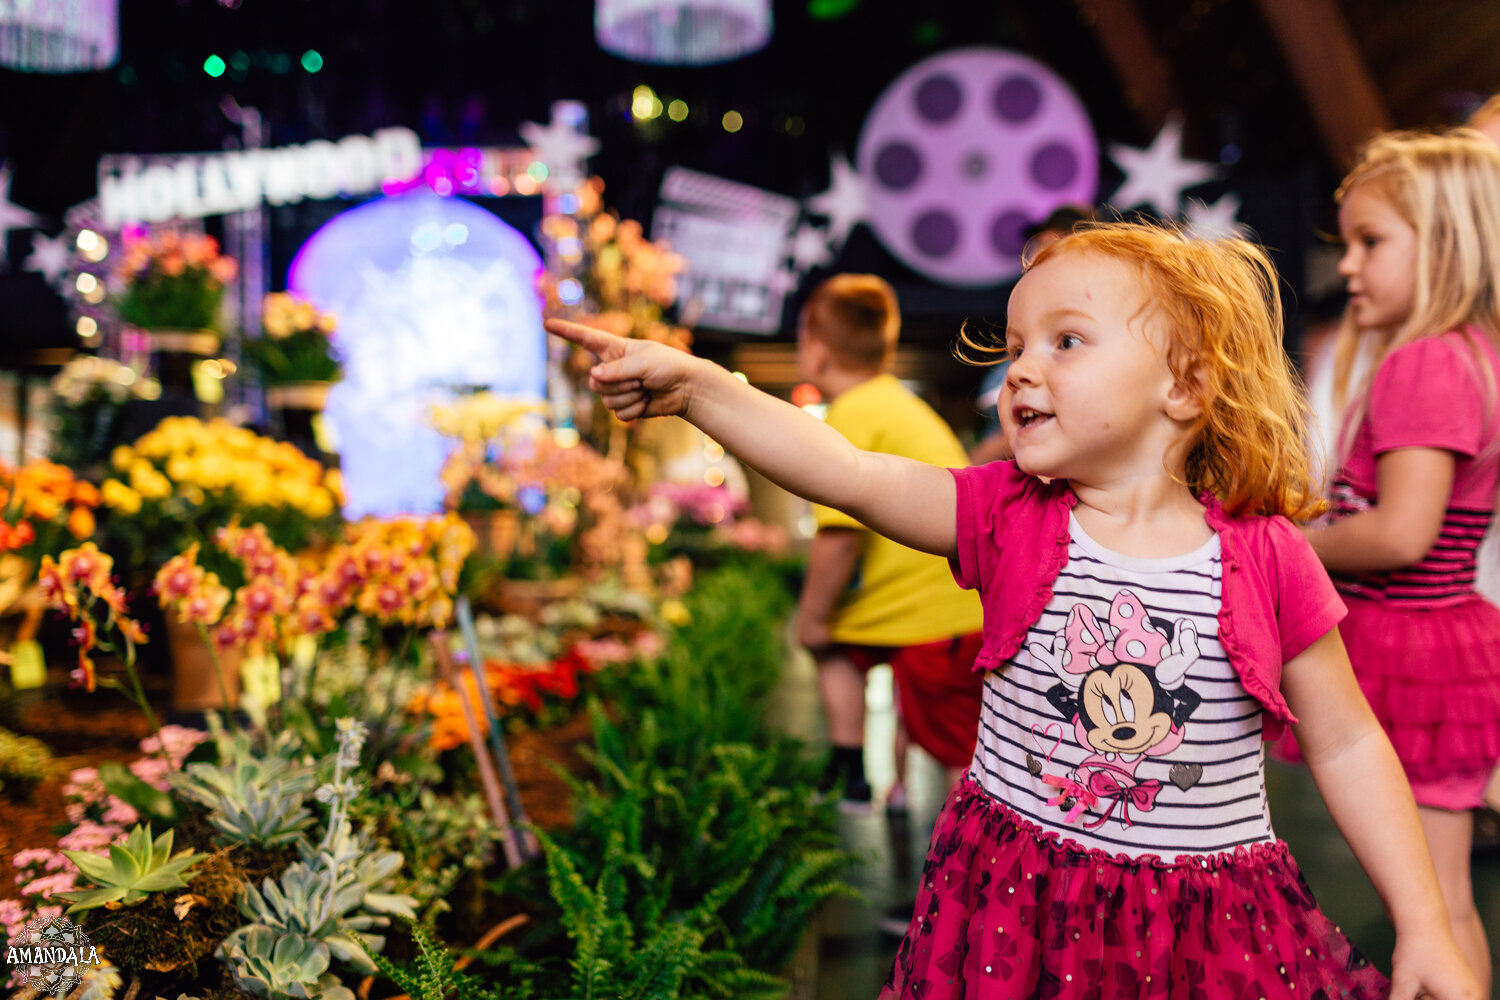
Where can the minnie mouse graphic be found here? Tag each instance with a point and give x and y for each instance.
(1122, 688)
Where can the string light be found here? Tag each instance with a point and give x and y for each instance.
(733, 121)
(677, 110)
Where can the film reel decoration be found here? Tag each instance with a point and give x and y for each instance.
(964, 151)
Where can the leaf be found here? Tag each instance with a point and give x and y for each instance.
(95, 866)
(148, 800)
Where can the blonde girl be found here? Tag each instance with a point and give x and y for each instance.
(1150, 615)
(1420, 218)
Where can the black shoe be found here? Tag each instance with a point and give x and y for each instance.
(857, 797)
(896, 919)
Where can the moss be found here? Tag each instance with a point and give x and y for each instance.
(24, 762)
(152, 937)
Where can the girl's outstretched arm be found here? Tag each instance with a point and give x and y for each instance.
(907, 501)
(1367, 794)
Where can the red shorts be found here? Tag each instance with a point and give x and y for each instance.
(938, 693)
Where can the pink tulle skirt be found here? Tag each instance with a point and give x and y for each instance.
(1432, 675)
(1006, 910)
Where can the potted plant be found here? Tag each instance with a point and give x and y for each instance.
(295, 359)
(173, 290)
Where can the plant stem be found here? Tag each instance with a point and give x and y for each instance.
(213, 657)
(140, 699)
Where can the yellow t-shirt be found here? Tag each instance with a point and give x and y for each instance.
(897, 596)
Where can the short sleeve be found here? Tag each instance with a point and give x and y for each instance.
(1428, 394)
(983, 494)
(863, 433)
(1307, 605)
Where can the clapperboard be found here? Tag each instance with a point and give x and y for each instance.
(734, 239)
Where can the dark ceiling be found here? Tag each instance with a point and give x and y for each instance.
(469, 71)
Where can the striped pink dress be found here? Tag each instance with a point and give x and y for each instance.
(1425, 646)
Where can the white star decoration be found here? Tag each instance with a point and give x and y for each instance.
(1217, 221)
(562, 148)
(843, 204)
(12, 216)
(51, 257)
(810, 248)
(1157, 175)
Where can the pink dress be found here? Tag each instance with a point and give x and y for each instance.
(1424, 645)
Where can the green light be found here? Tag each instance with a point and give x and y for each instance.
(537, 170)
(312, 61)
(239, 62)
(828, 10)
(213, 66)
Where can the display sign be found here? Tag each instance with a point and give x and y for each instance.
(191, 186)
(734, 238)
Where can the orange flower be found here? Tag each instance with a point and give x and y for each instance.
(179, 576)
(86, 565)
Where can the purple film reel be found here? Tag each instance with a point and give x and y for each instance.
(964, 151)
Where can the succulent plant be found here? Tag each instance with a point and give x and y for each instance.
(308, 901)
(131, 871)
(252, 797)
(265, 963)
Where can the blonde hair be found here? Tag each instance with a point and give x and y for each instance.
(1485, 113)
(1446, 186)
(857, 318)
(1218, 305)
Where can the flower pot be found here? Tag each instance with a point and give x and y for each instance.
(195, 687)
(528, 597)
(295, 407)
(298, 396)
(495, 532)
(173, 353)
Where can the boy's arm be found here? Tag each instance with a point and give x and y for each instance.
(830, 564)
(908, 502)
(1366, 792)
(1414, 488)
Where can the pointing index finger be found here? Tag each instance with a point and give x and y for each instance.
(587, 337)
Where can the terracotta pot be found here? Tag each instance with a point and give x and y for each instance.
(298, 395)
(194, 684)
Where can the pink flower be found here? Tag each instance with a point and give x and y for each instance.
(604, 651)
(89, 836)
(123, 813)
(649, 644)
(12, 916)
(32, 856)
(152, 770)
(51, 885)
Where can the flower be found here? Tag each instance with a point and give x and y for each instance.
(173, 281)
(296, 346)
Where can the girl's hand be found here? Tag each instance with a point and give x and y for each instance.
(634, 378)
(1431, 966)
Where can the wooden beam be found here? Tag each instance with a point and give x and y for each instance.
(1322, 55)
(1137, 61)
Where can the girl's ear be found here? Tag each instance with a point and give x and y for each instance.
(1184, 400)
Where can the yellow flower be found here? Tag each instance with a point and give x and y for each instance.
(122, 457)
(676, 612)
(118, 496)
(149, 483)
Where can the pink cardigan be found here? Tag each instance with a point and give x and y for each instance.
(1013, 542)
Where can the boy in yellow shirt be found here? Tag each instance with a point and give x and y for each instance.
(867, 600)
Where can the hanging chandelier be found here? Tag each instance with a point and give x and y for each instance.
(682, 32)
(59, 36)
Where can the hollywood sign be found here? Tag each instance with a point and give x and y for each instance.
(133, 189)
